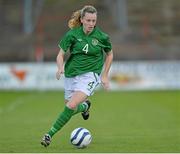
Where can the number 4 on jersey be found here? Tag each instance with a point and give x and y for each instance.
(85, 48)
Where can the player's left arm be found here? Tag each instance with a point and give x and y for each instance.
(107, 65)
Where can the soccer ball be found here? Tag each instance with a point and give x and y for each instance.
(80, 137)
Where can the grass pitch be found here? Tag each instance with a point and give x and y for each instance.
(119, 122)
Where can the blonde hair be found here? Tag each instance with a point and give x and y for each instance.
(75, 20)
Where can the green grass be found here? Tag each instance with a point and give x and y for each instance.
(120, 122)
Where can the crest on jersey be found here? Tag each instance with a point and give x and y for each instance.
(94, 42)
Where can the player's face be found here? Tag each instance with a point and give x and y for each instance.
(89, 22)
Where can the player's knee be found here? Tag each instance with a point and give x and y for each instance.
(71, 105)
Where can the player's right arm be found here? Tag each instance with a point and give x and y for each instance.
(60, 64)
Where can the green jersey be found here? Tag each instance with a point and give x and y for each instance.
(86, 51)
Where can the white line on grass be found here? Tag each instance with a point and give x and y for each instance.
(15, 104)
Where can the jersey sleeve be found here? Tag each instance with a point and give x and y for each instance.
(107, 44)
(66, 42)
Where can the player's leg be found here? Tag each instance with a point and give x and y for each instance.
(81, 107)
(65, 116)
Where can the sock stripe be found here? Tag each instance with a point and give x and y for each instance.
(54, 129)
(85, 105)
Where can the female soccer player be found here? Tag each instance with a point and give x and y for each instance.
(87, 45)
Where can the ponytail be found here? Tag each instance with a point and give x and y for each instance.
(75, 19)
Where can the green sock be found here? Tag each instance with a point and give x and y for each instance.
(63, 118)
(80, 108)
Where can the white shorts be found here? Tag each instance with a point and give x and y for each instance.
(85, 83)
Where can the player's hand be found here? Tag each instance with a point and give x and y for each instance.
(58, 74)
(105, 82)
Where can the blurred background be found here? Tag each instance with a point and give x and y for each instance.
(140, 30)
